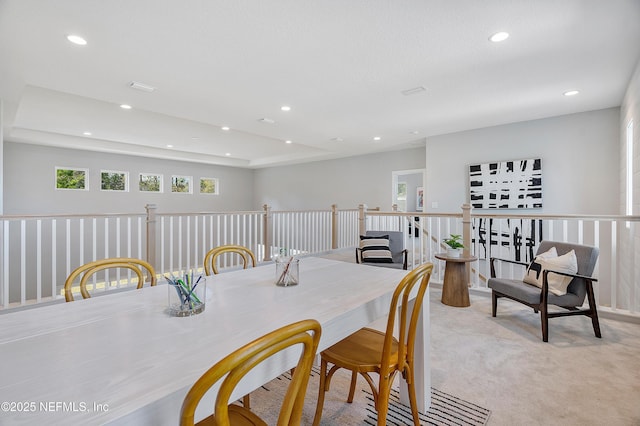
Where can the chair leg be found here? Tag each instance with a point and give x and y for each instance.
(494, 303)
(382, 406)
(321, 391)
(412, 399)
(594, 312)
(545, 323)
(246, 402)
(352, 389)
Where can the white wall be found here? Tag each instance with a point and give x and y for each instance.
(579, 152)
(346, 182)
(29, 186)
(630, 109)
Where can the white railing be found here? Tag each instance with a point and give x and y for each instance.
(37, 253)
(517, 237)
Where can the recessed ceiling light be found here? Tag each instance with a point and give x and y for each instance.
(498, 37)
(228, 154)
(225, 128)
(571, 93)
(169, 146)
(125, 106)
(76, 39)
(285, 108)
(288, 141)
(86, 133)
(377, 138)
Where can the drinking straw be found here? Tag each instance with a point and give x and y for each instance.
(286, 270)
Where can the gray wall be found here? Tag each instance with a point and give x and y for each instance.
(29, 186)
(579, 152)
(346, 182)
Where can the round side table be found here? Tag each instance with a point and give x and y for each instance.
(455, 289)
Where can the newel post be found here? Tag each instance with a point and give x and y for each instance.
(334, 226)
(466, 228)
(266, 230)
(362, 224)
(151, 234)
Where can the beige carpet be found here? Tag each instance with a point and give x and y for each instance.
(445, 409)
(502, 364)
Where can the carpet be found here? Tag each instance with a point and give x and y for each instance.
(445, 409)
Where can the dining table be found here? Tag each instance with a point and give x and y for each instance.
(122, 359)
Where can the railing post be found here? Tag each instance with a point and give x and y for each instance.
(466, 228)
(266, 230)
(334, 226)
(151, 235)
(362, 225)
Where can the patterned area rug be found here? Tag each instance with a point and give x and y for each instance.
(445, 409)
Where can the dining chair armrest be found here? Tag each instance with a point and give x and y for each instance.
(493, 268)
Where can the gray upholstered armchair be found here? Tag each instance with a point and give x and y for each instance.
(580, 286)
(397, 258)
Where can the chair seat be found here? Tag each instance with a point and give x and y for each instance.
(238, 416)
(361, 351)
(530, 293)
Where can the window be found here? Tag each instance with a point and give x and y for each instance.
(629, 209)
(150, 182)
(71, 178)
(208, 186)
(114, 180)
(181, 184)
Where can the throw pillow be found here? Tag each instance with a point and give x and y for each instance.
(375, 249)
(566, 263)
(533, 275)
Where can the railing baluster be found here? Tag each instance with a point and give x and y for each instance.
(38, 260)
(23, 262)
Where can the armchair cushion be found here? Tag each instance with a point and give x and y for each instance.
(375, 249)
(533, 275)
(549, 260)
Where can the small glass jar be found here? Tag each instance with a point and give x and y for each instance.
(287, 271)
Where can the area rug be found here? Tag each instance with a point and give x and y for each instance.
(445, 409)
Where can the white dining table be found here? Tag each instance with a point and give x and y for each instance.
(122, 359)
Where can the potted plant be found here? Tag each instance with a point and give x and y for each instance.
(454, 245)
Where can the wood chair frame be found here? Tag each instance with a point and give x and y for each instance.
(213, 254)
(87, 270)
(232, 368)
(388, 354)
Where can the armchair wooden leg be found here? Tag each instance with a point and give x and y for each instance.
(545, 323)
(494, 303)
(594, 312)
(246, 402)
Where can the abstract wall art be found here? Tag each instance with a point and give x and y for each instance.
(515, 184)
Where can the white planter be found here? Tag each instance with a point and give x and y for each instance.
(451, 252)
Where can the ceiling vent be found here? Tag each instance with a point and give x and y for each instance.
(141, 86)
(267, 120)
(413, 91)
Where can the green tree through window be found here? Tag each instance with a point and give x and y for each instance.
(70, 178)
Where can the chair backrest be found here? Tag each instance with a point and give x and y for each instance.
(587, 257)
(87, 270)
(236, 365)
(408, 321)
(210, 259)
(396, 242)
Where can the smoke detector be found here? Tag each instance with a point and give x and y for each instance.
(141, 86)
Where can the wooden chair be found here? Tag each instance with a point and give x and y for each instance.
(236, 365)
(580, 286)
(87, 270)
(371, 351)
(213, 254)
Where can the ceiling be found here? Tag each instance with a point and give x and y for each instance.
(341, 66)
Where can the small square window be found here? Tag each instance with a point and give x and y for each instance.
(72, 178)
(208, 185)
(111, 180)
(181, 184)
(150, 182)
